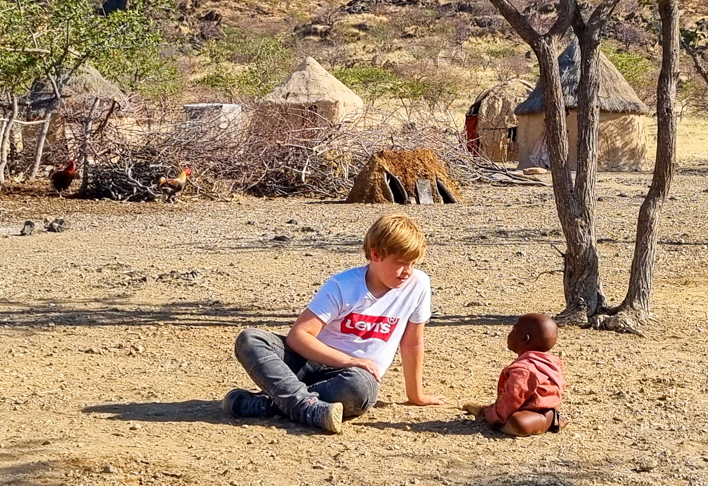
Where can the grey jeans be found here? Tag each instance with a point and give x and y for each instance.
(292, 381)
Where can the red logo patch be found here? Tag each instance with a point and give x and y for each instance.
(369, 327)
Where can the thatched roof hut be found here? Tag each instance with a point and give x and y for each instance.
(622, 143)
(491, 124)
(310, 92)
(404, 177)
(79, 89)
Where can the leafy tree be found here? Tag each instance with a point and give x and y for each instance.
(51, 41)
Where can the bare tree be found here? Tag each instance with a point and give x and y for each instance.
(5, 136)
(693, 41)
(575, 200)
(636, 305)
(581, 279)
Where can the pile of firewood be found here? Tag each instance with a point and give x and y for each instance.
(126, 154)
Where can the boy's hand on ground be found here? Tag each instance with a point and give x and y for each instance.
(424, 400)
(368, 365)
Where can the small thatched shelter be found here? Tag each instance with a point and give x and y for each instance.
(79, 90)
(622, 143)
(309, 93)
(404, 177)
(78, 93)
(491, 124)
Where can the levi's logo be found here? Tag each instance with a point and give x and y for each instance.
(369, 327)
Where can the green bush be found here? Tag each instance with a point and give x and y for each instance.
(374, 82)
(634, 67)
(370, 83)
(269, 60)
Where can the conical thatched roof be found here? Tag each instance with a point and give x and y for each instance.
(616, 95)
(310, 83)
(82, 87)
(500, 98)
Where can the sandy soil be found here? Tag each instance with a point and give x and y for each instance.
(116, 343)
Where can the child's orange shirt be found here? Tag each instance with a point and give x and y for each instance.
(534, 381)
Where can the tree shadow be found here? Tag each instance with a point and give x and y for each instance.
(318, 242)
(32, 473)
(205, 411)
(110, 312)
(113, 312)
(472, 320)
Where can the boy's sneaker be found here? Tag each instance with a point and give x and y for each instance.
(243, 403)
(327, 416)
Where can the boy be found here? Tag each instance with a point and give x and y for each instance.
(331, 362)
(530, 389)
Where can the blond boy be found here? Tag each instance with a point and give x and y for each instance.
(332, 361)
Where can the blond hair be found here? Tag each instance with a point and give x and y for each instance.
(395, 234)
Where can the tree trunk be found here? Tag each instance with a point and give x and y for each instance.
(5, 138)
(576, 209)
(41, 139)
(636, 305)
(581, 279)
(83, 159)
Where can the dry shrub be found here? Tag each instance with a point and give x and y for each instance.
(264, 152)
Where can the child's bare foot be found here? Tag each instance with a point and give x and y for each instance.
(477, 411)
(560, 422)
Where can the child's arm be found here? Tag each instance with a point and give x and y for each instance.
(412, 357)
(302, 339)
(519, 387)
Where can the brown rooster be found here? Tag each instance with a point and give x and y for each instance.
(62, 178)
(171, 187)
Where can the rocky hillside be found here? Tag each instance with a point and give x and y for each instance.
(442, 52)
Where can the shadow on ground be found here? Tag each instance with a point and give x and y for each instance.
(452, 427)
(472, 320)
(111, 313)
(200, 313)
(205, 411)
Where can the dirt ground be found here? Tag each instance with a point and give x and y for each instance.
(116, 342)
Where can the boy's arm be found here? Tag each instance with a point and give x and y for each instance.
(412, 357)
(302, 339)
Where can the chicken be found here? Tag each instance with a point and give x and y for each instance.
(171, 187)
(62, 178)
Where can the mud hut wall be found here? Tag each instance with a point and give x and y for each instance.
(408, 166)
(531, 129)
(496, 117)
(297, 115)
(621, 147)
(623, 142)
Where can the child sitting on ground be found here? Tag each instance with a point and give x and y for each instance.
(331, 362)
(530, 389)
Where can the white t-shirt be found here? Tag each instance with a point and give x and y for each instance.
(362, 326)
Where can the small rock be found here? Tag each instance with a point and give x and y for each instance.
(281, 238)
(534, 171)
(58, 225)
(291, 221)
(28, 228)
(136, 427)
(646, 464)
(47, 442)
(110, 469)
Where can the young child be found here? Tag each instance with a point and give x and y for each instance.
(332, 361)
(530, 389)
